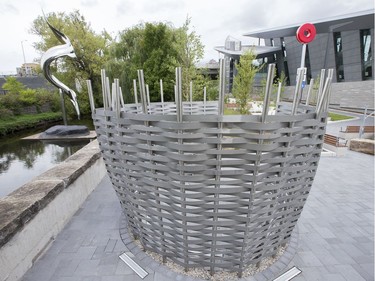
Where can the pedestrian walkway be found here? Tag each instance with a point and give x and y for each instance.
(335, 232)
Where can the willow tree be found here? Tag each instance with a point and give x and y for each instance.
(89, 47)
(244, 79)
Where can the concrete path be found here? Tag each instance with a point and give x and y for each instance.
(334, 128)
(336, 232)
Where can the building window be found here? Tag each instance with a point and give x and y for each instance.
(337, 39)
(366, 56)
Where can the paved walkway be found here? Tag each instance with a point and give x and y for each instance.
(336, 232)
(334, 128)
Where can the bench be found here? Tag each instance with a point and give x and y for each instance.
(335, 144)
(355, 129)
(334, 141)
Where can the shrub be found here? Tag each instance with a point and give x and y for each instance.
(5, 114)
(11, 101)
(28, 97)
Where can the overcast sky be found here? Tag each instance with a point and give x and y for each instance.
(213, 20)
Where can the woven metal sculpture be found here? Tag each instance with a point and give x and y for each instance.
(206, 189)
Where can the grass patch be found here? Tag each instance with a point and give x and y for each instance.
(14, 124)
(338, 117)
(229, 111)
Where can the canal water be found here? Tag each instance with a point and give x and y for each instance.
(22, 160)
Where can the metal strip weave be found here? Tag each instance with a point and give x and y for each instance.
(220, 192)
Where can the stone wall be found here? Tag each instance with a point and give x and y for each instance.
(346, 94)
(34, 214)
(362, 145)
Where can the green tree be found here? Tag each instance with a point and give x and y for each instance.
(90, 49)
(190, 51)
(243, 81)
(157, 48)
(149, 47)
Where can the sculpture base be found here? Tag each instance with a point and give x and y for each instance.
(65, 131)
(270, 267)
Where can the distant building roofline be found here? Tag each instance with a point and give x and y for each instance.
(352, 21)
(260, 51)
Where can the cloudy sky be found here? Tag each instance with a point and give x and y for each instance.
(213, 20)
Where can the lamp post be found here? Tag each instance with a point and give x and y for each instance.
(24, 57)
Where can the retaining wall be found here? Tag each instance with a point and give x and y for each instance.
(34, 214)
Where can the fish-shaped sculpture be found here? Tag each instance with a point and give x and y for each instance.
(65, 50)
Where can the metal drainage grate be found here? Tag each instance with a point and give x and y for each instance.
(290, 274)
(133, 265)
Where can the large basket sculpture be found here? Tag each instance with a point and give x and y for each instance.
(206, 189)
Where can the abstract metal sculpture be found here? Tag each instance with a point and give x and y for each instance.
(205, 189)
(65, 50)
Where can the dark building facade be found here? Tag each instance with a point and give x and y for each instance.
(344, 43)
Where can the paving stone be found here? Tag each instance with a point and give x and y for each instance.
(335, 233)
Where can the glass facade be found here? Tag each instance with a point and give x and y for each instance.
(366, 54)
(337, 40)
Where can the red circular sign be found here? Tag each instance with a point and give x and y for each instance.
(306, 33)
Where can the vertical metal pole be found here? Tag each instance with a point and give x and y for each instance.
(267, 96)
(309, 91)
(298, 90)
(142, 90)
(204, 100)
(148, 95)
(91, 96)
(321, 85)
(104, 89)
(222, 86)
(330, 76)
(303, 56)
(179, 108)
(278, 95)
(113, 96)
(322, 100)
(63, 107)
(363, 123)
(191, 97)
(121, 98)
(135, 91)
(162, 95)
(108, 90)
(117, 106)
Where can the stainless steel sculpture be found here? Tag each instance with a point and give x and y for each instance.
(52, 54)
(206, 189)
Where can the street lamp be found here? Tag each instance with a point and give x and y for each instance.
(24, 57)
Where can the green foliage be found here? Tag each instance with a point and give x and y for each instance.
(338, 117)
(43, 97)
(28, 97)
(314, 92)
(5, 113)
(157, 48)
(11, 102)
(243, 81)
(90, 49)
(189, 51)
(13, 86)
(14, 124)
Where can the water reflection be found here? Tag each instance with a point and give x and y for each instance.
(22, 160)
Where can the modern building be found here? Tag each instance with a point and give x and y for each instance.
(28, 69)
(344, 43)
